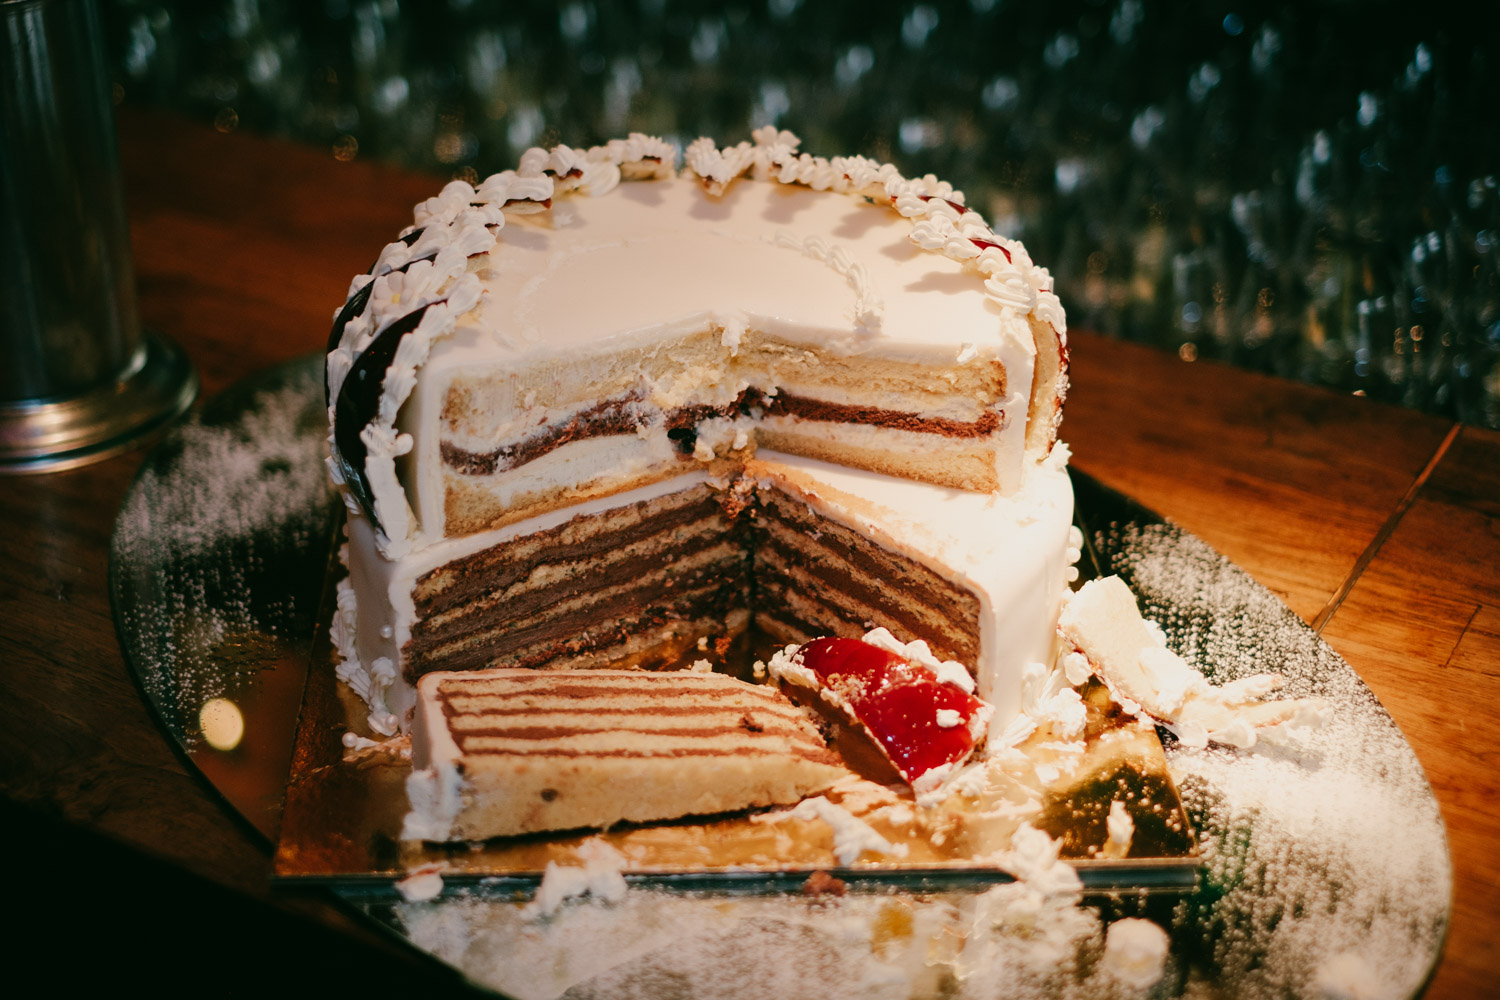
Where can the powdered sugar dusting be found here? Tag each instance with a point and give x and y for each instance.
(1325, 871)
(210, 547)
(1325, 850)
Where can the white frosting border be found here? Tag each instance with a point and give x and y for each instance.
(461, 222)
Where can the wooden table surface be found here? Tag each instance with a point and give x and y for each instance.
(1378, 526)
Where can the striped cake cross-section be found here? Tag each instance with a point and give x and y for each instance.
(507, 752)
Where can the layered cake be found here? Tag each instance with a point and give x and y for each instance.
(505, 752)
(603, 412)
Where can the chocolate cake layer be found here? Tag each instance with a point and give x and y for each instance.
(579, 539)
(780, 572)
(574, 627)
(566, 583)
(899, 573)
(565, 595)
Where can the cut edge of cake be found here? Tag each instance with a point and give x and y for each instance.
(510, 752)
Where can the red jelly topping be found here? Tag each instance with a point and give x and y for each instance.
(897, 702)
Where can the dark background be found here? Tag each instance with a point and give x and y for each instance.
(1308, 189)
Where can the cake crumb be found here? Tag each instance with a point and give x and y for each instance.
(598, 877)
(820, 883)
(701, 667)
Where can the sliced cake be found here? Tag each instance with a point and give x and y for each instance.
(596, 411)
(507, 752)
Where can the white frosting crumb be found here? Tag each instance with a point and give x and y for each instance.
(701, 667)
(1121, 831)
(786, 665)
(1033, 859)
(955, 673)
(1104, 622)
(703, 451)
(1076, 668)
(598, 877)
(1135, 952)
(1065, 713)
(918, 652)
(1347, 976)
(1017, 731)
(852, 837)
(881, 638)
(758, 670)
(931, 785)
(966, 354)
(422, 883)
(741, 439)
(947, 718)
(1239, 734)
(733, 327)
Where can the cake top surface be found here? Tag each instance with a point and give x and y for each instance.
(559, 254)
(782, 259)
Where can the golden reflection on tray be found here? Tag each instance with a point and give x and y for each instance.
(344, 810)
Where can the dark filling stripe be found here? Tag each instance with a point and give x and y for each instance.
(543, 641)
(493, 610)
(499, 567)
(817, 756)
(612, 417)
(843, 413)
(540, 733)
(843, 545)
(835, 578)
(626, 414)
(559, 694)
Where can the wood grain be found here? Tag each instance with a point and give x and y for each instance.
(244, 246)
(1421, 625)
(1288, 481)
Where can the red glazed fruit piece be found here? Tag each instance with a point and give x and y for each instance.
(898, 703)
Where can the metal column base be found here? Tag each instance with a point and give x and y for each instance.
(61, 433)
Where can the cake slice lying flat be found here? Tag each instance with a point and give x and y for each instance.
(503, 752)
